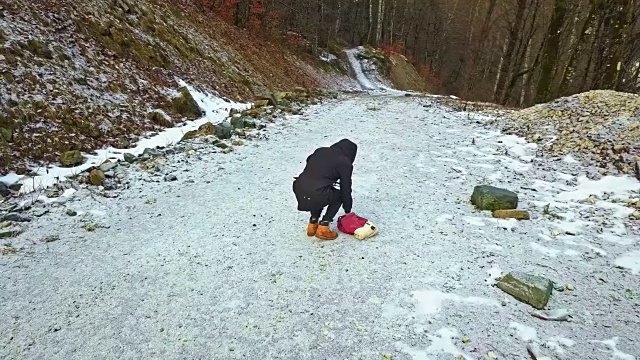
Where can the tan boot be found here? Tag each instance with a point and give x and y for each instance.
(325, 233)
(311, 229)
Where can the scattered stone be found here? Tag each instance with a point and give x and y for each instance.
(530, 289)
(10, 232)
(466, 340)
(151, 153)
(250, 124)
(7, 249)
(227, 150)
(237, 123)
(491, 355)
(41, 213)
(4, 190)
(170, 177)
(237, 143)
(534, 351)
(635, 215)
(221, 145)
(129, 158)
(51, 238)
(72, 212)
(511, 214)
(96, 177)
(107, 165)
(261, 103)
(270, 99)
(551, 315)
(570, 287)
(636, 166)
(71, 158)
(16, 218)
(223, 130)
(160, 118)
(487, 197)
(15, 187)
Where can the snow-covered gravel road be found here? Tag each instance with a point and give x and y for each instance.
(217, 265)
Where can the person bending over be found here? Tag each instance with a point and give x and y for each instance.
(314, 187)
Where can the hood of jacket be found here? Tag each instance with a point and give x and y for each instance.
(347, 148)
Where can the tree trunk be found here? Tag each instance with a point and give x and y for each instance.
(380, 19)
(551, 51)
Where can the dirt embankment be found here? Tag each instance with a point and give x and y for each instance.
(83, 74)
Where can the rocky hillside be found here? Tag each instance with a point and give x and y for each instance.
(601, 128)
(83, 74)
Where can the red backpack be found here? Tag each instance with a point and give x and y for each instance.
(349, 223)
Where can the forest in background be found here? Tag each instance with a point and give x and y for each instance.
(512, 52)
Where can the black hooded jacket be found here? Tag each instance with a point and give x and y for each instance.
(327, 165)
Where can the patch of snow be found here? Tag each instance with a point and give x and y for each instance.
(429, 302)
(216, 110)
(564, 176)
(328, 57)
(631, 261)
(494, 273)
(570, 159)
(616, 354)
(543, 249)
(472, 220)
(443, 218)
(507, 224)
(524, 332)
(446, 159)
(356, 66)
(10, 179)
(595, 249)
(517, 146)
(443, 343)
(571, 252)
(414, 353)
(618, 185)
(495, 176)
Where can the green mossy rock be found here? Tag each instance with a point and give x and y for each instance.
(96, 177)
(71, 158)
(530, 289)
(185, 105)
(6, 134)
(261, 103)
(486, 197)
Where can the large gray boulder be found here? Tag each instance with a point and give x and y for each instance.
(223, 130)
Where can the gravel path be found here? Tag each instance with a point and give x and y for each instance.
(217, 265)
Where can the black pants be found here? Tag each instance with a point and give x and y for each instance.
(335, 202)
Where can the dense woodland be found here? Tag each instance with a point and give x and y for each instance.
(514, 52)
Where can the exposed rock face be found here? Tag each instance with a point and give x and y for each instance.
(185, 105)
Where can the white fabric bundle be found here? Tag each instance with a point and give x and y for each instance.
(365, 232)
